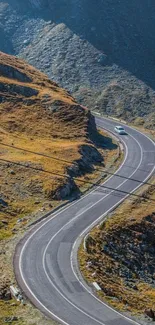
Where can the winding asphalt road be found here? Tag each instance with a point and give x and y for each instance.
(45, 260)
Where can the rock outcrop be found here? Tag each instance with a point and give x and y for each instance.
(102, 52)
(134, 248)
(34, 106)
(120, 256)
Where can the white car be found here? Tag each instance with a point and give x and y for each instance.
(120, 130)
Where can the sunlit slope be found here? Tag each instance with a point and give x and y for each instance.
(53, 132)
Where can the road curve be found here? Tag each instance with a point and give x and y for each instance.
(45, 265)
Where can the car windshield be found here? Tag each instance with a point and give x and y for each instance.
(120, 128)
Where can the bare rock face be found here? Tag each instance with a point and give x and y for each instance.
(36, 106)
(16, 89)
(150, 313)
(65, 190)
(36, 3)
(134, 247)
(32, 4)
(13, 73)
(91, 49)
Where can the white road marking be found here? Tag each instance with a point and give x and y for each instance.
(52, 217)
(102, 199)
(23, 248)
(89, 228)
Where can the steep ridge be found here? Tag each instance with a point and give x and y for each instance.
(46, 138)
(20, 83)
(121, 256)
(39, 117)
(102, 53)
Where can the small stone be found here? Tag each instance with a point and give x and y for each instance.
(2, 252)
(150, 313)
(12, 172)
(7, 295)
(14, 230)
(93, 274)
(14, 318)
(4, 222)
(50, 205)
(26, 42)
(3, 203)
(37, 202)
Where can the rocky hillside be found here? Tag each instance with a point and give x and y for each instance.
(121, 256)
(53, 111)
(46, 134)
(46, 139)
(102, 52)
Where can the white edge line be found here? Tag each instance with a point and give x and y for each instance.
(65, 298)
(20, 268)
(53, 216)
(95, 223)
(76, 217)
(81, 235)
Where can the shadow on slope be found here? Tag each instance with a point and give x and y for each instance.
(122, 30)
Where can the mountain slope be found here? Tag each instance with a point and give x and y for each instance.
(32, 88)
(102, 52)
(120, 256)
(42, 129)
(46, 138)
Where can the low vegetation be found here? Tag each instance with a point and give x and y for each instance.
(46, 139)
(120, 255)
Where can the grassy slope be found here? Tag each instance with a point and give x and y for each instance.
(51, 123)
(34, 128)
(126, 227)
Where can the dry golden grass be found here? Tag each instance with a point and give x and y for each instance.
(53, 125)
(52, 112)
(23, 187)
(115, 289)
(22, 190)
(50, 123)
(26, 315)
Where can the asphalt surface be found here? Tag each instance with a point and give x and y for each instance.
(45, 260)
